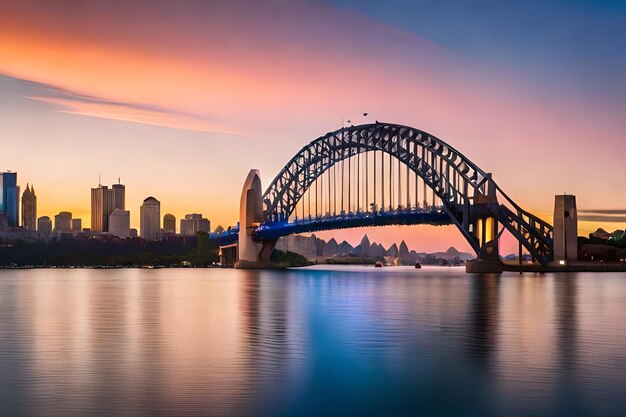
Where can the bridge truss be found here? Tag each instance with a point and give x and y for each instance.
(377, 174)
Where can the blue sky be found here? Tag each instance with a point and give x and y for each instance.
(566, 44)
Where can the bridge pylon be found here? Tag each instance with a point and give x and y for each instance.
(485, 230)
(252, 253)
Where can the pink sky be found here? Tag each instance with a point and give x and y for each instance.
(181, 101)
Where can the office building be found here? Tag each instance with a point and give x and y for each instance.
(194, 223)
(150, 219)
(63, 222)
(119, 223)
(169, 224)
(103, 201)
(29, 209)
(44, 227)
(77, 225)
(118, 196)
(9, 197)
(101, 208)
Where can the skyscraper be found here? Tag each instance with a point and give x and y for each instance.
(9, 197)
(118, 196)
(29, 209)
(101, 208)
(169, 224)
(103, 201)
(150, 219)
(119, 223)
(63, 222)
(44, 227)
(77, 225)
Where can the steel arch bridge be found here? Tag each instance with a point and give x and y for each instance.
(371, 175)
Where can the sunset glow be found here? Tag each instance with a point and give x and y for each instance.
(180, 102)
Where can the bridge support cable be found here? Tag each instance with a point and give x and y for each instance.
(417, 201)
(408, 182)
(316, 184)
(382, 180)
(399, 171)
(374, 180)
(389, 179)
(358, 176)
(349, 183)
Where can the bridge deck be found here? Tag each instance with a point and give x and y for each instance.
(274, 230)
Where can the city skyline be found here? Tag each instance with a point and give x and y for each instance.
(178, 141)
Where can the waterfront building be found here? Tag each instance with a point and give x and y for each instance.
(77, 225)
(103, 201)
(101, 208)
(119, 223)
(9, 197)
(150, 219)
(169, 224)
(29, 208)
(194, 223)
(118, 196)
(44, 227)
(63, 222)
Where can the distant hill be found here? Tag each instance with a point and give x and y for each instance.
(453, 253)
(313, 248)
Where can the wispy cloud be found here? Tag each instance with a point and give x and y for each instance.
(73, 102)
(603, 211)
(601, 218)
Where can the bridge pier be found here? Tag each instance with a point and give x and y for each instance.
(485, 227)
(252, 254)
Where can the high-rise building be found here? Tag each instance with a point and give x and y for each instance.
(169, 224)
(118, 196)
(119, 223)
(29, 209)
(150, 219)
(194, 223)
(103, 201)
(101, 208)
(44, 227)
(63, 222)
(9, 197)
(77, 225)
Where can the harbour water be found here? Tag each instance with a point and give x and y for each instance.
(319, 341)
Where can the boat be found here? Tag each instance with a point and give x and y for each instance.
(378, 264)
(418, 265)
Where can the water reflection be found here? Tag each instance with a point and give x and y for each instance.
(350, 341)
(482, 332)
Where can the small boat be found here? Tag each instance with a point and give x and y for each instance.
(418, 265)
(378, 264)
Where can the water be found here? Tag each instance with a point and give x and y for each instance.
(311, 342)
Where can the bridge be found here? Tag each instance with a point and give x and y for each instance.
(383, 174)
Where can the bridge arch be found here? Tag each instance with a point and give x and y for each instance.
(468, 194)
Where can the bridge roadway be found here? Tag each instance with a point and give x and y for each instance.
(435, 216)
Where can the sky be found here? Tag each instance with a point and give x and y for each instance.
(179, 99)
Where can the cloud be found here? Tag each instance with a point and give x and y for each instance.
(67, 101)
(603, 211)
(601, 218)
